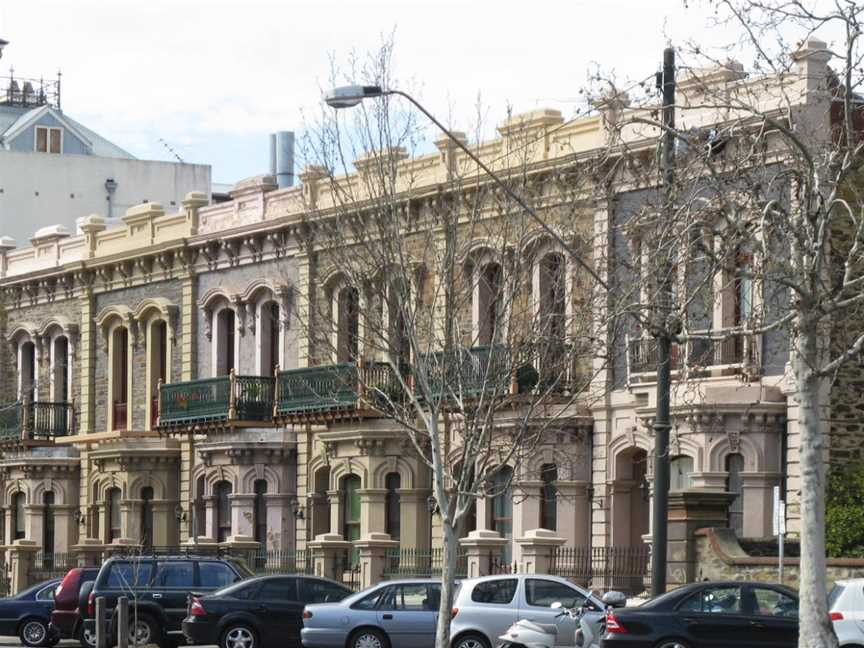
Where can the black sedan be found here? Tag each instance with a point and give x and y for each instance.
(264, 611)
(26, 615)
(709, 615)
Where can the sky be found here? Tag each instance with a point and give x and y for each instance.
(212, 78)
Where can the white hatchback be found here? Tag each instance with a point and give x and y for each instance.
(846, 607)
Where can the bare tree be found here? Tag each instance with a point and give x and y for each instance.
(761, 237)
(475, 345)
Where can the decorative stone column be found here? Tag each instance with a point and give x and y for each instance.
(415, 520)
(336, 504)
(280, 521)
(373, 511)
(22, 558)
(481, 546)
(328, 549)
(165, 531)
(537, 548)
(690, 510)
(65, 527)
(373, 557)
(758, 493)
(130, 512)
(242, 514)
(573, 513)
(526, 511)
(33, 522)
(89, 552)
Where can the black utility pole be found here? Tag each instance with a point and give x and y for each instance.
(664, 342)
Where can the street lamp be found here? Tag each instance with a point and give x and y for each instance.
(350, 96)
(3, 43)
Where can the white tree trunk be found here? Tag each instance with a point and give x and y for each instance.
(448, 574)
(816, 630)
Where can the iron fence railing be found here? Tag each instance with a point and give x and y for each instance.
(603, 568)
(420, 563)
(737, 351)
(36, 420)
(224, 398)
(52, 565)
(321, 388)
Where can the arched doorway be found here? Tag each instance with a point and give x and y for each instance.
(222, 492)
(630, 494)
(147, 517)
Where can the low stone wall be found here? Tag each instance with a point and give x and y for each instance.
(719, 556)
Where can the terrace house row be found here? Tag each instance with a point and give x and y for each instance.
(179, 379)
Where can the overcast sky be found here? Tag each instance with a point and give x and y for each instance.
(213, 78)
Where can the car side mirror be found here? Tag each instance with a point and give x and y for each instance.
(556, 605)
(614, 599)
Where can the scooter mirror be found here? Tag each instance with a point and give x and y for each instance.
(615, 599)
(556, 605)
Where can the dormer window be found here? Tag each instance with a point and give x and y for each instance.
(48, 140)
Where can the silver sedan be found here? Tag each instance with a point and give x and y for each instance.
(398, 614)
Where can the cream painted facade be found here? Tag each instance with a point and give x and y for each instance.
(104, 318)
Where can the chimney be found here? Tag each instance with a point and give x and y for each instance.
(282, 158)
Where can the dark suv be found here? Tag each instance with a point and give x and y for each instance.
(160, 585)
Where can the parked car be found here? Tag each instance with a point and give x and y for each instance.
(26, 615)
(484, 608)
(394, 614)
(846, 607)
(161, 586)
(66, 622)
(709, 615)
(263, 611)
(88, 636)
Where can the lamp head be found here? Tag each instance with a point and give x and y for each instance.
(350, 96)
(3, 43)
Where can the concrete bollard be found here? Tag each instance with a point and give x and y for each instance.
(123, 623)
(101, 634)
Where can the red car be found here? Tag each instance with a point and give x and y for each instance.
(65, 619)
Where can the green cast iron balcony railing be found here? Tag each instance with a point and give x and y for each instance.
(468, 373)
(223, 399)
(36, 421)
(344, 387)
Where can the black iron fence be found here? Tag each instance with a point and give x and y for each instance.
(52, 565)
(420, 563)
(603, 568)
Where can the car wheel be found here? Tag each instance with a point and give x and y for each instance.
(33, 632)
(143, 631)
(87, 638)
(238, 636)
(672, 643)
(368, 638)
(471, 641)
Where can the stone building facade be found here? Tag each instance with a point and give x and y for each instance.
(155, 353)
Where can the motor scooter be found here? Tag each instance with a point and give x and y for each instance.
(526, 633)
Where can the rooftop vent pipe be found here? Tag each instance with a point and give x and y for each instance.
(282, 158)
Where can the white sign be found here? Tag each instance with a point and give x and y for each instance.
(779, 517)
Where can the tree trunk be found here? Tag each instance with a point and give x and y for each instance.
(448, 575)
(816, 630)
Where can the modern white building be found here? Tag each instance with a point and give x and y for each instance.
(54, 170)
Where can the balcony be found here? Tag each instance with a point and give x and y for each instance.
(698, 357)
(37, 422)
(235, 400)
(468, 373)
(328, 391)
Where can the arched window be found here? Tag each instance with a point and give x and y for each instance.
(147, 517)
(224, 339)
(489, 292)
(398, 298)
(48, 523)
(112, 515)
(734, 484)
(552, 295)
(260, 511)
(549, 495)
(351, 507)
(19, 529)
(321, 504)
(348, 322)
(158, 361)
(27, 371)
(120, 377)
(269, 332)
(60, 369)
(679, 472)
(199, 517)
(222, 491)
(393, 521)
(502, 506)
